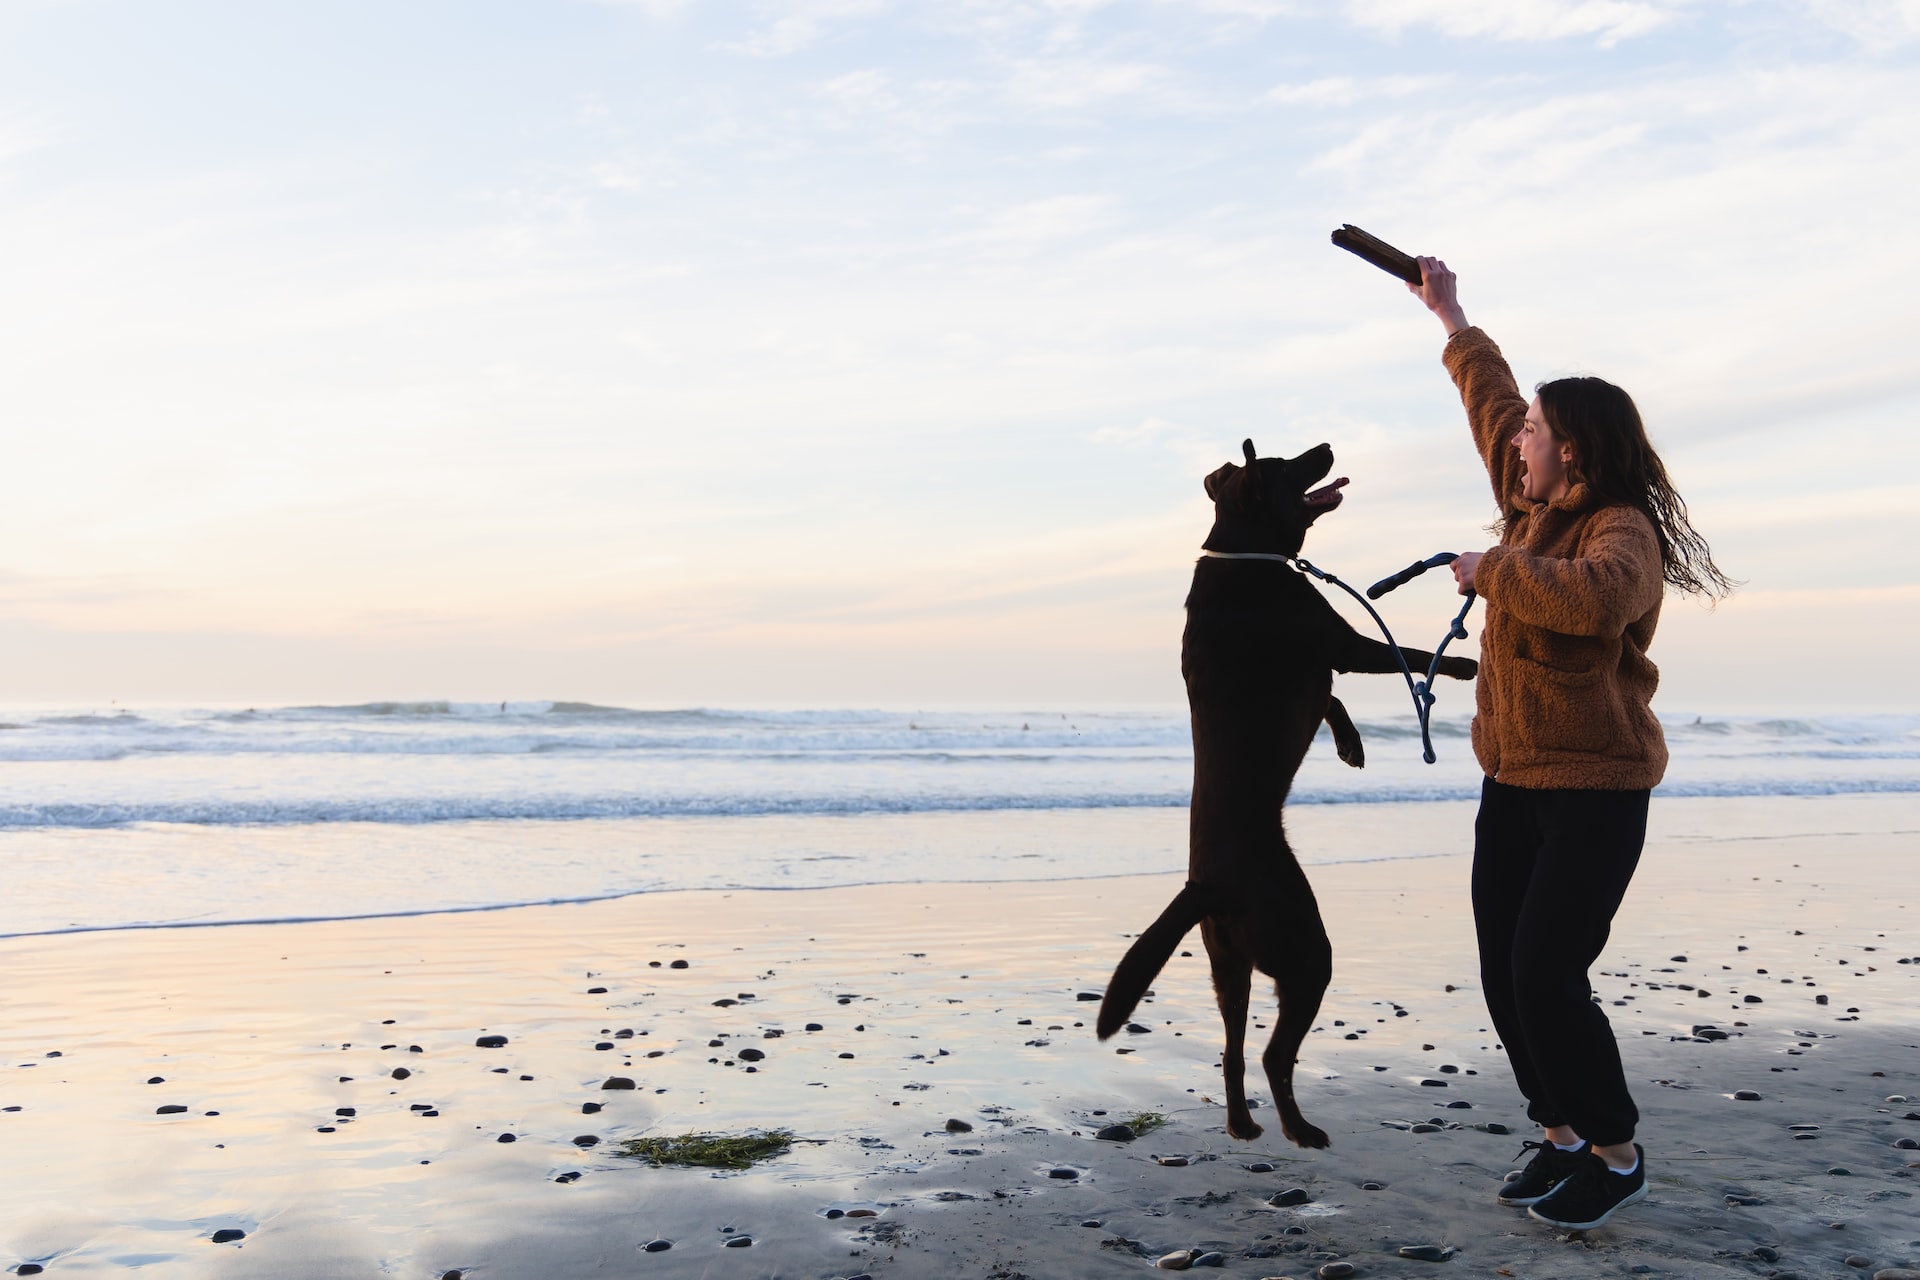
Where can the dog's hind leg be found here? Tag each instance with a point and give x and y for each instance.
(1305, 968)
(1346, 738)
(1232, 985)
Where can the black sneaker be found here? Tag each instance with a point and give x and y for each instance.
(1549, 1168)
(1589, 1197)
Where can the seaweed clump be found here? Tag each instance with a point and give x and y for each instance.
(709, 1150)
(1146, 1122)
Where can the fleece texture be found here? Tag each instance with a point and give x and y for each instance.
(1572, 596)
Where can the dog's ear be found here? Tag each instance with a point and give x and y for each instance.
(1252, 483)
(1218, 477)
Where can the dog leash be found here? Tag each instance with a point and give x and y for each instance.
(1420, 690)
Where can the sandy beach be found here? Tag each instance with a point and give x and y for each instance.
(323, 1089)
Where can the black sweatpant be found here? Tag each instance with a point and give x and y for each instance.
(1549, 871)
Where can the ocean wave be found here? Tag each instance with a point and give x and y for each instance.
(440, 809)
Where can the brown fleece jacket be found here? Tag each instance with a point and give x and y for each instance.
(1572, 595)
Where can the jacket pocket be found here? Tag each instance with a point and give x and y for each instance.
(1557, 711)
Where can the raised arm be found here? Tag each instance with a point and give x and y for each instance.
(1495, 407)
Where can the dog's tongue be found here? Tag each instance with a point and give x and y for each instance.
(1327, 496)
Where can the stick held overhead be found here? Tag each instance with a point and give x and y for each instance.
(1378, 252)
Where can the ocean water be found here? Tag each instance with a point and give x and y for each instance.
(169, 816)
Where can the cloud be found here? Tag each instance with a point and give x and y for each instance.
(1879, 25)
(1607, 21)
(1346, 91)
(799, 24)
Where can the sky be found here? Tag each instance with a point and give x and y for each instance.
(849, 353)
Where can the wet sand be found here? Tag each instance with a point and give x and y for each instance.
(335, 1107)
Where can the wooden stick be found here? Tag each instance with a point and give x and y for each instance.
(1378, 252)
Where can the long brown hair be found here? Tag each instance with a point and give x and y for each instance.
(1612, 454)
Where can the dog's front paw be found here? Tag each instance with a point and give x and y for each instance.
(1245, 1130)
(1354, 752)
(1459, 668)
(1303, 1134)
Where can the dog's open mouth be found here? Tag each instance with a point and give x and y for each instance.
(1326, 497)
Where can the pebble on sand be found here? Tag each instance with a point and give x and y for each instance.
(959, 1126)
(658, 1246)
(1117, 1133)
(1426, 1252)
(1745, 1095)
(739, 1242)
(171, 1109)
(1178, 1260)
(619, 1082)
(227, 1235)
(1337, 1271)
(1290, 1197)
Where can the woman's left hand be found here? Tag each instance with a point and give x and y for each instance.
(1464, 569)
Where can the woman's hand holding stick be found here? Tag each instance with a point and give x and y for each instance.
(1437, 290)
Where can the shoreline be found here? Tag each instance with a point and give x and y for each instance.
(955, 1002)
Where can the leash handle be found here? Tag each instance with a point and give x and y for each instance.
(1409, 573)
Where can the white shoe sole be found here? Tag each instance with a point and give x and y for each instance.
(1638, 1194)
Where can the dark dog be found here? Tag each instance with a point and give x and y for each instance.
(1259, 654)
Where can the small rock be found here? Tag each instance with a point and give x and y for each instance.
(28, 1269)
(1337, 1271)
(1259, 1166)
(1907, 1144)
(752, 1055)
(1896, 1273)
(1858, 1260)
(1117, 1133)
(1764, 1253)
(1088, 995)
(507, 1137)
(1178, 1260)
(490, 1042)
(1290, 1197)
(1210, 1260)
(596, 991)
(1494, 1127)
(1745, 1095)
(401, 1073)
(589, 1108)
(1734, 1201)
(658, 1246)
(156, 1079)
(1093, 1222)
(345, 1111)
(1426, 1252)
(586, 1140)
(226, 1235)
(814, 1026)
(1173, 1162)
(171, 1109)
(739, 1242)
(618, 1082)
(1064, 1173)
(1426, 1128)
(678, 964)
(1433, 1084)
(1373, 1186)
(1839, 1171)
(959, 1126)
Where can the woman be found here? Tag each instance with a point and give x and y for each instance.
(1591, 533)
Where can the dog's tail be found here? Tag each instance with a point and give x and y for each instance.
(1149, 954)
